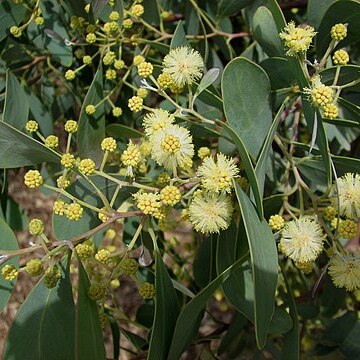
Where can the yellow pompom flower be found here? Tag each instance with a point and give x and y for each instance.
(143, 93)
(148, 203)
(319, 94)
(36, 227)
(62, 182)
(110, 74)
(203, 152)
(170, 195)
(158, 119)
(110, 234)
(52, 142)
(33, 179)
(131, 156)
(147, 291)
(117, 111)
(135, 103)
(9, 272)
(59, 207)
(172, 146)
(347, 193)
(276, 222)
(184, 65)
(329, 213)
(297, 39)
(347, 228)
(74, 211)
(210, 212)
(109, 144)
(127, 23)
(87, 166)
(338, 32)
(163, 178)
(302, 240)
(217, 176)
(70, 75)
(137, 10)
(32, 126)
(103, 256)
(67, 160)
(164, 80)
(71, 126)
(330, 111)
(138, 59)
(39, 21)
(341, 57)
(145, 69)
(34, 267)
(345, 271)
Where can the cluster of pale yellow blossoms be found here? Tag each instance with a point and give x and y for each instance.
(303, 239)
(297, 40)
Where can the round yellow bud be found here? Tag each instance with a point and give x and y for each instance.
(129, 266)
(34, 267)
(9, 272)
(163, 178)
(329, 213)
(119, 64)
(338, 32)
(70, 75)
(84, 251)
(330, 111)
(96, 292)
(135, 103)
(145, 69)
(59, 207)
(117, 111)
(127, 24)
(341, 57)
(52, 142)
(170, 195)
(131, 156)
(109, 58)
(39, 21)
(114, 16)
(347, 228)
(110, 74)
(109, 144)
(142, 93)
(103, 256)
(203, 152)
(137, 10)
(90, 38)
(15, 31)
(71, 126)
(138, 59)
(32, 126)
(62, 182)
(67, 161)
(33, 179)
(147, 291)
(90, 109)
(103, 217)
(52, 277)
(87, 166)
(74, 211)
(276, 222)
(87, 60)
(36, 227)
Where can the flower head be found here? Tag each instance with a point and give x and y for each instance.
(87, 166)
(147, 291)
(33, 179)
(148, 203)
(34, 267)
(59, 207)
(172, 146)
(170, 195)
(70, 75)
(52, 142)
(341, 57)
(296, 38)
(319, 94)
(36, 227)
(276, 222)
(135, 103)
(109, 144)
(71, 126)
(347, 193)
(9, 272)
(32, 126)
(74, 211)
(209, 212)
(345, 271)
(63, 182)
(158, 119)
(145, 69)
(184, 65)
(67, 160)
(302, 240)
(330, 111)
(338, 32)
(217, 176)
